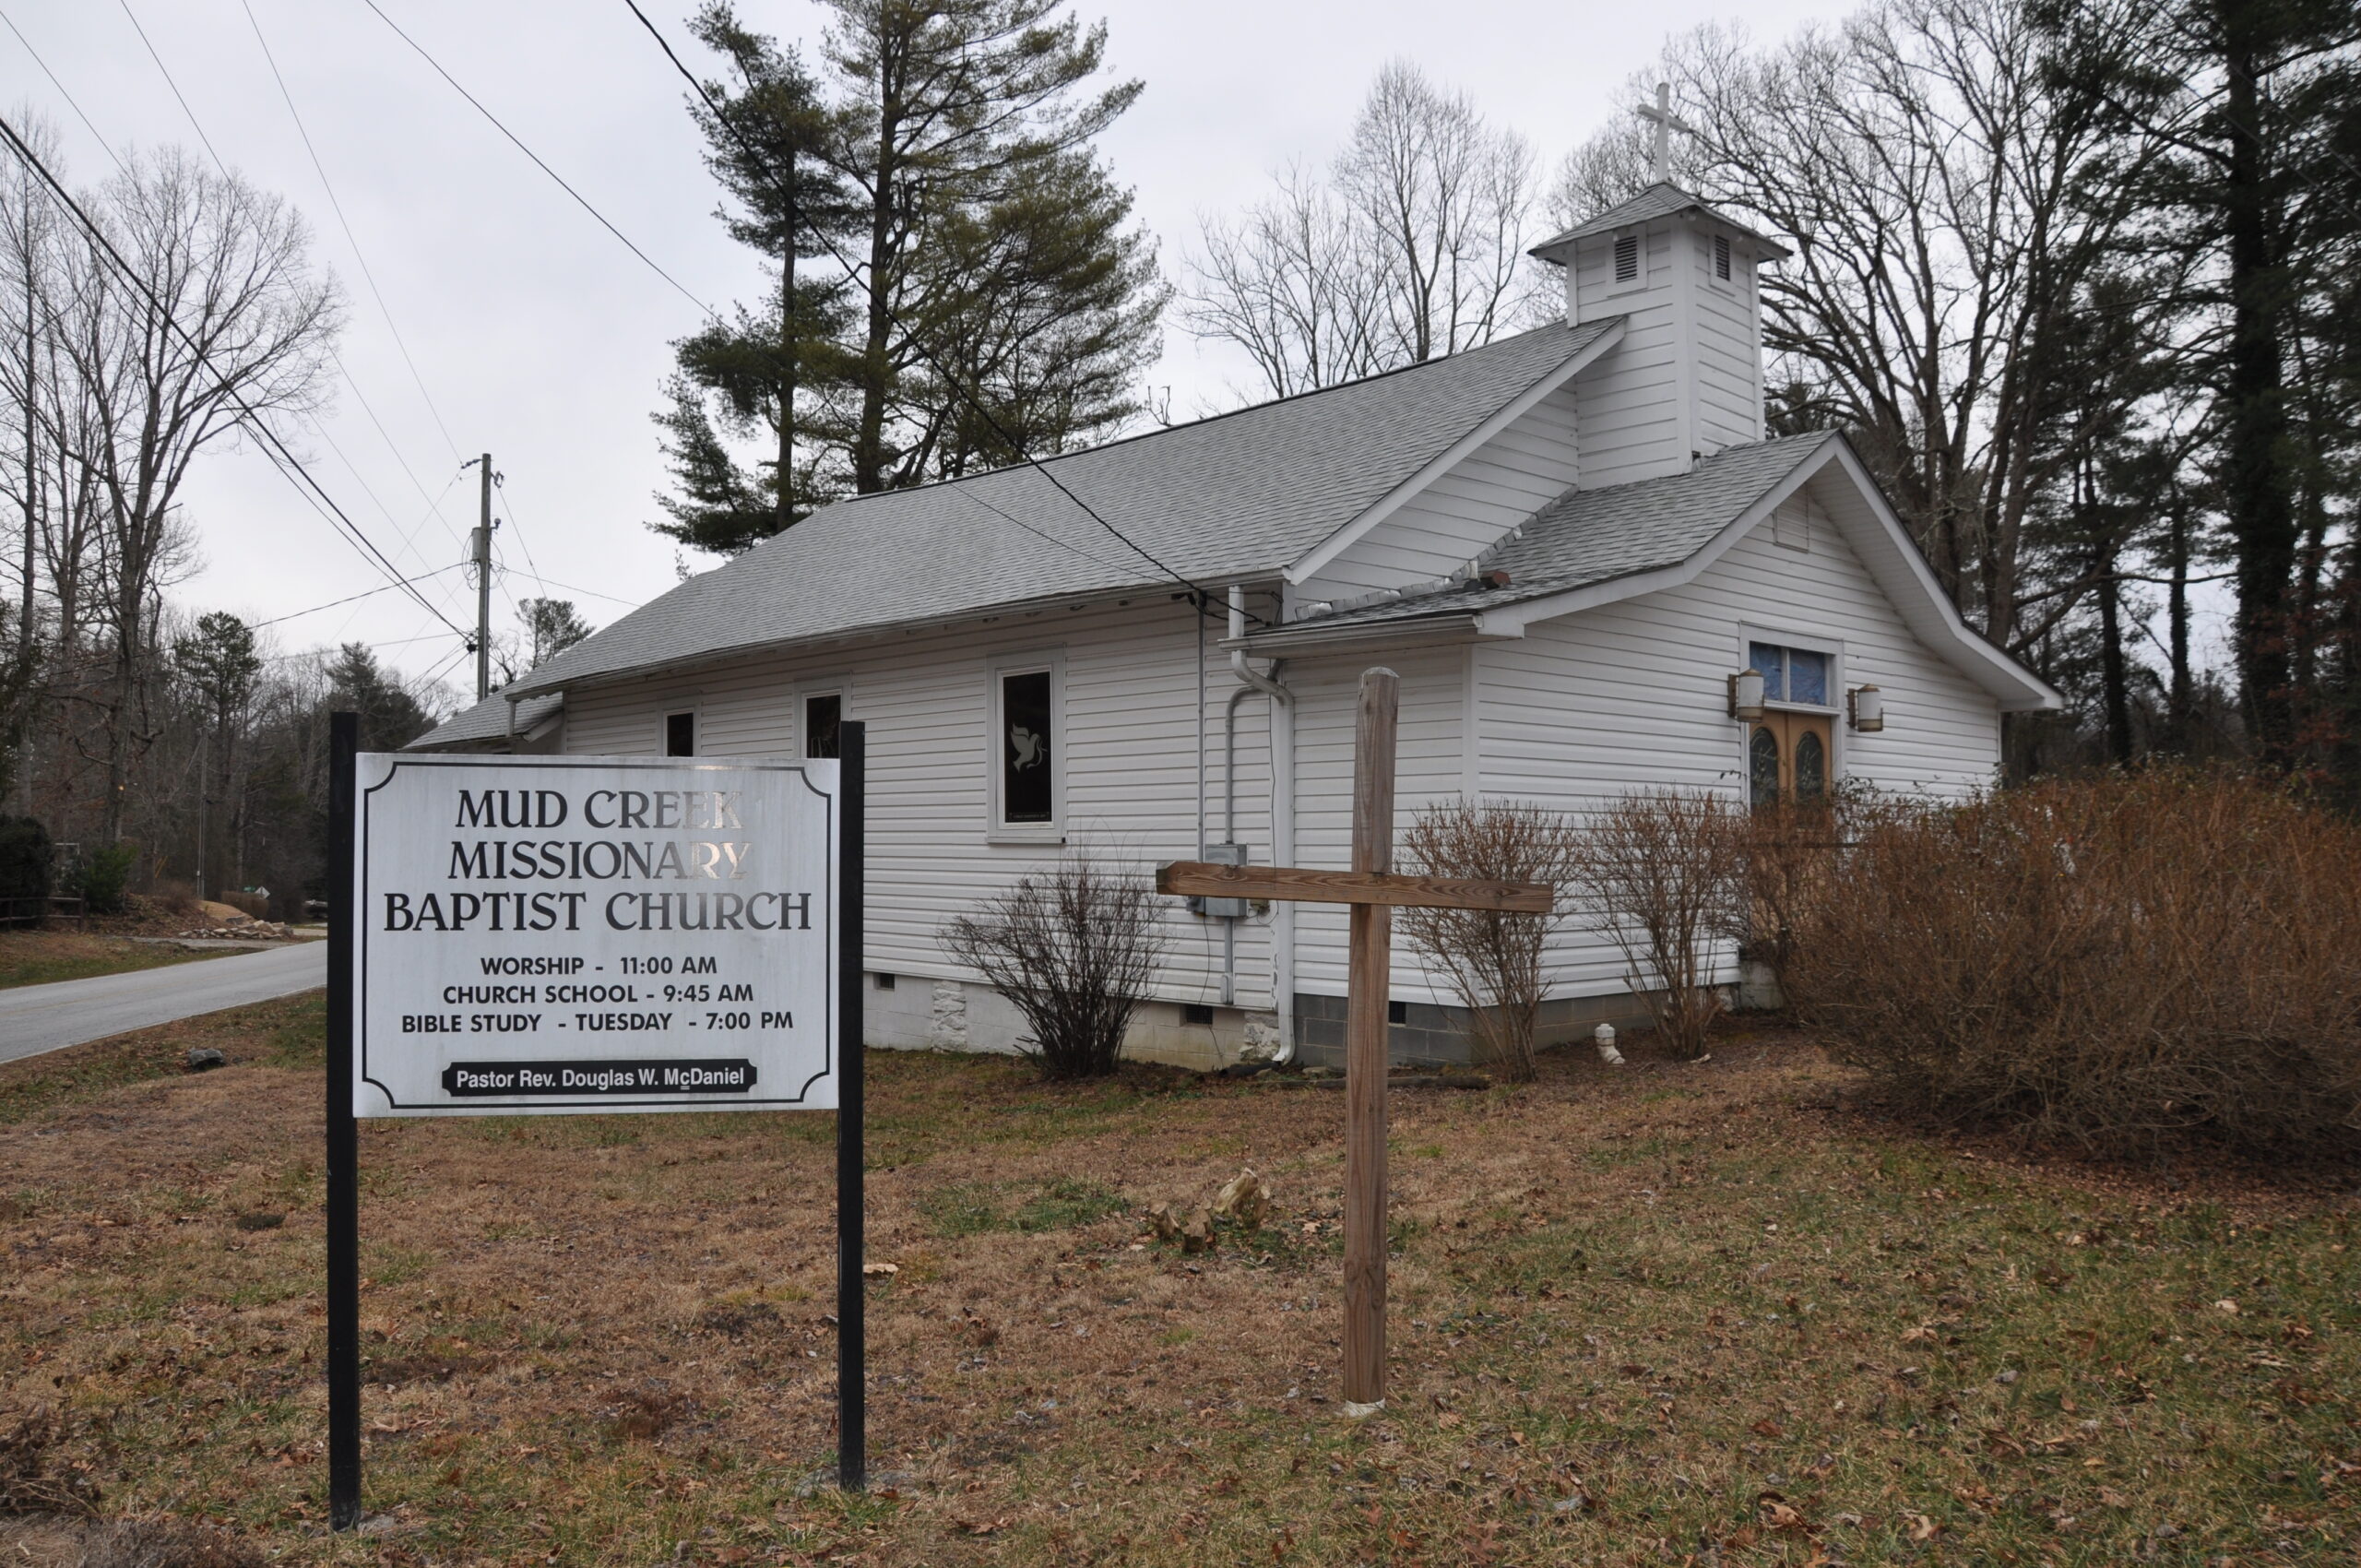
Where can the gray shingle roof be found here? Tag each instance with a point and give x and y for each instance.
(487, 720)
(1238, 495)
(1594, 536)
(1658, 200)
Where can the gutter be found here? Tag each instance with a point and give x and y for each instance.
(1440, 626)
(1251, 681)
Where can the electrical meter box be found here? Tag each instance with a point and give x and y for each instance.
(1222, 908)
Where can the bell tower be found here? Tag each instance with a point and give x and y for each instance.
(1686, 378)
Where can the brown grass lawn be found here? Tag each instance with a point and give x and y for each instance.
(1675, 1314)
(37, 958)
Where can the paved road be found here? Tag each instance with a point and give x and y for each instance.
(34, 1018)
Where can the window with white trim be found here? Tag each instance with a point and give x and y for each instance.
(681, 734)
(1027, 795)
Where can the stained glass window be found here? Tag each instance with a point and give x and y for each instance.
(1772, 664)
(1812, 768)
(1763, 767)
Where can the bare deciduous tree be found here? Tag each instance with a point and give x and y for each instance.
(1657, 874)
(1496, 963)
(1933, 173)
(1409, 247)
(1074, 948)
(227, 322)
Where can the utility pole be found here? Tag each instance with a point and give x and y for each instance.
(483, 589)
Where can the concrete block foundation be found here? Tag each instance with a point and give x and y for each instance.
(918, 1013)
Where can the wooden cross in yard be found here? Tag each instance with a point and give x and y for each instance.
(1373, 892)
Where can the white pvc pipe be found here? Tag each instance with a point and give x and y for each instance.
(1282, 752)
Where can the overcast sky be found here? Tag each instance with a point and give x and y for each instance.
(538, 336)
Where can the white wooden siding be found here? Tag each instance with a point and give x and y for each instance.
(1430, 765)
(1729, 349)
(1630, 697)
(1630, 402)
(1129, 756)
(1465, 510)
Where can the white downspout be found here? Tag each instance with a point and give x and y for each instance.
(1282, 810)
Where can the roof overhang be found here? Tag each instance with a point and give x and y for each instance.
(1871, 527)
(1159, 588)
(1306, 566)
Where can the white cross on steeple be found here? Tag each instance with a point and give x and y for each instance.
(1665, 122)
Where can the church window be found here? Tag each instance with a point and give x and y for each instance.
(1763, 767)
(1627, 257)
(1787, 759)
(823, 713)
(1027, 762)
(1721, 258)
(1812, 768)
(1790, 674)
(679, 734)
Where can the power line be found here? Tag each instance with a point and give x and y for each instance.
(434, 503)
(252, 421)
(500, 482)
(344, 223)
(348, 599)
(61, 88)
(582, 201)
(167, 82)
(359, 396)
(1197, 595)
(552, 582)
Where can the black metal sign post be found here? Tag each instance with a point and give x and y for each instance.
(343, 1141)
(343, 1128)
(852, 1294)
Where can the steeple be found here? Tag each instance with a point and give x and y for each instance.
(1687, 379)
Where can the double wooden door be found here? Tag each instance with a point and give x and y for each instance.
(1787, 757)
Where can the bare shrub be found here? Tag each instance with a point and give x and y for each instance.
(2122, 962)
(1495, 962)
(177, 897)
(1781, 855)
(1656, 870)
(1074, 948)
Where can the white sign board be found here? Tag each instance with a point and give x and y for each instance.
(568, 934)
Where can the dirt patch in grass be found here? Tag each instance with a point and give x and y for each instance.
(39, 957)
(1668, 1313)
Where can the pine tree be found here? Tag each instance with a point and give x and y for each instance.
(996, 266)
(975, 288)
(762, 373)
(2257, 107)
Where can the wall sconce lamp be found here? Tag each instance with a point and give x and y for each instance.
(1865, 709)
(1746, 695)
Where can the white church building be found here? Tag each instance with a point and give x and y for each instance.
(1567, 543)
